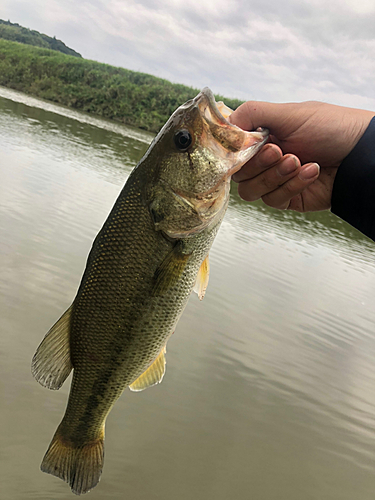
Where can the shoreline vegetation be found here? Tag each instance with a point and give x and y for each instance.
(137, 99)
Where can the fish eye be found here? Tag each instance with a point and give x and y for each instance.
(182, 139)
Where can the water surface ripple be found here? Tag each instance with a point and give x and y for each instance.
(270, 384)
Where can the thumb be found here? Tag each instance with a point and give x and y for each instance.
(253, 114)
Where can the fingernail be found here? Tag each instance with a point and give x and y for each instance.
(309, 172)
(288, 165)
(268, 155)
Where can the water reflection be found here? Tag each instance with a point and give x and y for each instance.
(270, 383)
(289, 225)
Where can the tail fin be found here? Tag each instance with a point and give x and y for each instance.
(81, 466)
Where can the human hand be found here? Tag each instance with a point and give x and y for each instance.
(308, 143)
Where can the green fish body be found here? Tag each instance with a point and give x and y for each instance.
(147, 258)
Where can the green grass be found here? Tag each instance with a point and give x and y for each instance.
(133, 98)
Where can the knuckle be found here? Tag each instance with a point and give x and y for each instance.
(251, 105)
(267, 183)
(243, 175)
(246, 192)
(275, 202)
(296, 204)
(289, 188)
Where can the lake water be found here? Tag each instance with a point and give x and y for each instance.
(270, 385)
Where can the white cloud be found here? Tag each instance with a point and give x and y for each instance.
(290, 51)
(361, 7)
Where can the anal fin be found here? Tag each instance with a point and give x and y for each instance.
(203, 275)
(152, 376)
(51, 363)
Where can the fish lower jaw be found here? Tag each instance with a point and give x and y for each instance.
(245, 155)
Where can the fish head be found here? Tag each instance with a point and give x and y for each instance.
(194, 156)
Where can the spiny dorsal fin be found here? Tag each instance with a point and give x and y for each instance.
(152, 376)
(51, 363)
(170, 270)
(201, 283)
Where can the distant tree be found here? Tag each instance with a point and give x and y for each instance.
(17, 33)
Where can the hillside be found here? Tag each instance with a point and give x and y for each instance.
(133, 98)
(17, 33)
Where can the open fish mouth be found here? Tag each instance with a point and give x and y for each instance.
(223, 148)
(198, 180)
(241, 145)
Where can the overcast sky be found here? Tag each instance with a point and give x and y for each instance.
(276, 50)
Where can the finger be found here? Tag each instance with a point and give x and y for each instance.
(282, 196)
(269, 180)
(267, 156)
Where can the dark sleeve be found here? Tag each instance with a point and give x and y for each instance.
(353, 195)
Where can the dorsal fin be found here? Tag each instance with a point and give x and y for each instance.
(203, 275)
(51, 363)
(152, 376)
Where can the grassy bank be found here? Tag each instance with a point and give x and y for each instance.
(133, 98)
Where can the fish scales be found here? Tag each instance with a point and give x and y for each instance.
(150, 254)
(128, 326)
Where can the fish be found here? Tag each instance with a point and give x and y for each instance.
(148, 257)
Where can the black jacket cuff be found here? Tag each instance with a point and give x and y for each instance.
(353, 195)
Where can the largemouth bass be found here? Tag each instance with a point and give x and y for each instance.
(147, 258)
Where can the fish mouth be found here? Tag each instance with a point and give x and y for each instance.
(233, 145)
(240, 144)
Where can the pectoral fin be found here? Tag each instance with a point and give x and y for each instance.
(170, 270)
(201, 283)
(51, 363)
(152, 376)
